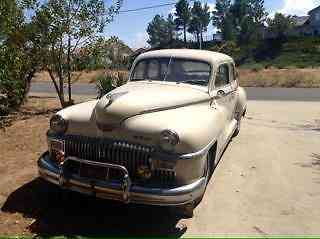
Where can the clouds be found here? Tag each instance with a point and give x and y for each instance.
(298, 7)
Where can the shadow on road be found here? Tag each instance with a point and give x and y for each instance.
(58, 213)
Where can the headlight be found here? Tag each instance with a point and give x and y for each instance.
(168, 140)
(57, 150)
(58, 124)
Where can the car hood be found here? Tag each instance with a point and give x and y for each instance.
(136, 98)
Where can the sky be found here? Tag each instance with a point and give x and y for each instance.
(131, 26)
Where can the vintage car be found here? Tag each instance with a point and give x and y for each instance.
(154, 140)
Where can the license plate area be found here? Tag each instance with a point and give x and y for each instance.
(94, 172)
(98, 171)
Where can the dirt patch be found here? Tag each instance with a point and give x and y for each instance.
(32, 107)
(77, 76)
(21, 144)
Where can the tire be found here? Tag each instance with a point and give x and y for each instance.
(237, 131)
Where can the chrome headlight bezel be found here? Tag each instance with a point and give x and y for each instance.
(168, 140)
(58, 124)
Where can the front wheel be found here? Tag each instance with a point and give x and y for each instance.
(238, 118)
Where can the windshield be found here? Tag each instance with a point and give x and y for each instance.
(172, 70)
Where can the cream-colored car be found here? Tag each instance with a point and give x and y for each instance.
(154, 140)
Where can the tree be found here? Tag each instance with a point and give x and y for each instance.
(61, 28)
(249, 17)
(200, 18)
(18, 58)
(183, 16)
(223, 19)
(280, 24)
(171, 28)
(161, 31)
(257, 11)
(220, 13)
(239, 10)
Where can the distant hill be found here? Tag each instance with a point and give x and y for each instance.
(303, 52)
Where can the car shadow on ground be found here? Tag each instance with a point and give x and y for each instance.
(60, 213)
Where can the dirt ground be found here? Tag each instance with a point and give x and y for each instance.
(268, 183)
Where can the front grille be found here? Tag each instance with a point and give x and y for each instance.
(125, 154)
(121, 153)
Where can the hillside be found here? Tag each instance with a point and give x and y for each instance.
(293, 53)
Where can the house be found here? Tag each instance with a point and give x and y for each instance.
(306, 25)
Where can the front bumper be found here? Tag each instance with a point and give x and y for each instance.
(122, 191)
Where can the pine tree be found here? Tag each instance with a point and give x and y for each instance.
(183, 16)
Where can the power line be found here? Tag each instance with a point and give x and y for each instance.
(145, 8)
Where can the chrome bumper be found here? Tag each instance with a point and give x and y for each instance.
(123, 191)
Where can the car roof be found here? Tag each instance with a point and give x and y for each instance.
(203, 55)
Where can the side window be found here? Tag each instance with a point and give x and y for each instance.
(153, 70)
(139, 70)
(223, 76)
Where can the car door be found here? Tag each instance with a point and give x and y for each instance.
(225, 91)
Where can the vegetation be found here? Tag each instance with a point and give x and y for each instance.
(302, 78)
(17, 58)
(200, 18)
(183, 16)
(161, 31)
(249, 36)
(47, 35)
(110, 80)
(103, 53)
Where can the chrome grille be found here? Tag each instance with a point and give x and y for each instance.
(128, 155)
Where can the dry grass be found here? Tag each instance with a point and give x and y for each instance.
(78, 76)
(304, 78)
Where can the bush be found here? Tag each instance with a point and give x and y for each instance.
(14, 78)
(229, 48)
(109, 81)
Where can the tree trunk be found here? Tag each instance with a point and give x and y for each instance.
(185, 35)
(27, 82)
(60, 95)
(198, 38)
(69, 71)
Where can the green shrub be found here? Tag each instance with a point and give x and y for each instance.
(109, 81)
(14, 78)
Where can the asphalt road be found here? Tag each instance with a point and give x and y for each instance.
(266, 94)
